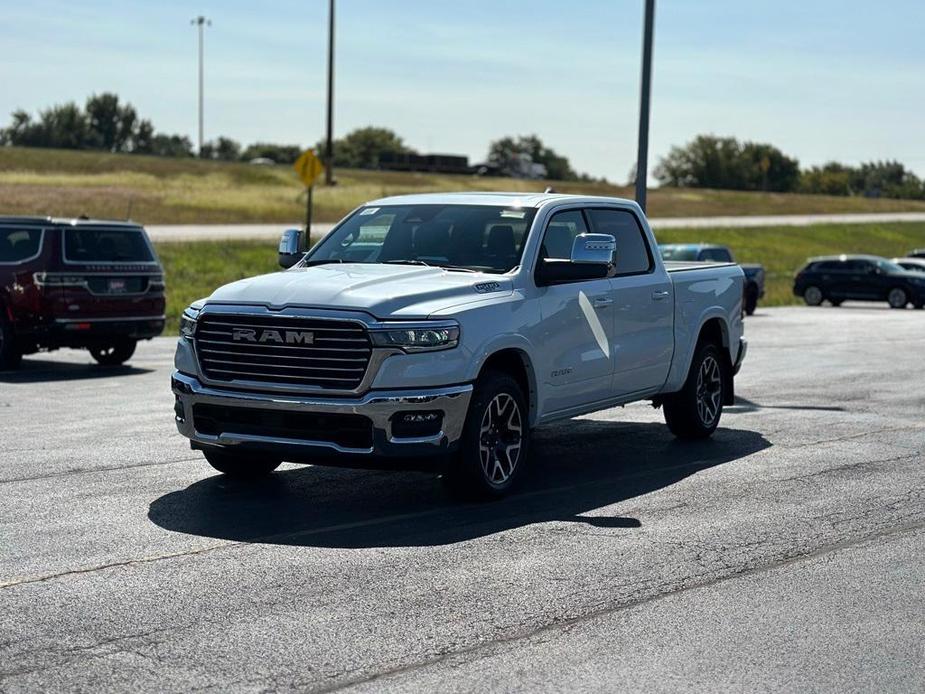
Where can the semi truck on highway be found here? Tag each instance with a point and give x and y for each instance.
(437, 331)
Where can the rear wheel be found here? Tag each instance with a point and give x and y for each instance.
(495, 441)
(897, 298)
(10, 356)
(812, 295)
(115, 353)
(236, 464)
(694, 411)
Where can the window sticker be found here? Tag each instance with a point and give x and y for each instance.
(513, 214)
(369, 211)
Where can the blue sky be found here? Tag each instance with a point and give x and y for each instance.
(819, 78)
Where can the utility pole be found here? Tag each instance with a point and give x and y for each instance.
(642, 156)
(201, 22)
(329, 144)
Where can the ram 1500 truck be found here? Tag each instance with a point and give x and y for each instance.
(754, 273)
(436, 331)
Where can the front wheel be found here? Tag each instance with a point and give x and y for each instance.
(694, 411)
(236, 464)
(897, 298)
(813, 296)
(495, 441)
(115, 353)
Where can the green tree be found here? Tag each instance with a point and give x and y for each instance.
(362, 148)
(507, 154)
(224, 149)
(723, 162)
(113, 125)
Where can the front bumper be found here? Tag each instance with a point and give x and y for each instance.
(379, 407)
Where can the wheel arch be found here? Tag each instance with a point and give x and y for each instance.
(715, 331)
(517, 363)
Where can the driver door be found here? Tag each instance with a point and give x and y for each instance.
(577, 322)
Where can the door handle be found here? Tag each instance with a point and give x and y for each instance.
(601, 302)
(658, 296)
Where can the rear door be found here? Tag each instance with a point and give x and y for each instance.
(643, 305)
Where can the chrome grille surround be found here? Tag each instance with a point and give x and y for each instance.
(303, 352)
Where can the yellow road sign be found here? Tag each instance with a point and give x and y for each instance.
(309, 167)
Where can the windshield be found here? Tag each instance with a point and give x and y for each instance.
(88, 245)
(678, 252)
(888, 267)
(482, 238)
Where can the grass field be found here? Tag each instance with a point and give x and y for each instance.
(156, 190)
(195, 269)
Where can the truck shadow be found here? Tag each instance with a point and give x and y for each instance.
(46, 371)
(578, 467)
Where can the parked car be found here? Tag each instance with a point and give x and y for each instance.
(916, 253)
(436, 331)
(754, 274)
(77, 283)
(860, 278)
(911, 264)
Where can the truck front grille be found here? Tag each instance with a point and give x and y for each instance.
(286, 350)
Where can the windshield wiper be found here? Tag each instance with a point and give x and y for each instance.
(406, 262)
(320, 261)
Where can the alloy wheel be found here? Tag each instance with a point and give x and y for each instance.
(500, 439)
(813, 296)
(709, 391)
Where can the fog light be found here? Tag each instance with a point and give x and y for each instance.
(409, 425)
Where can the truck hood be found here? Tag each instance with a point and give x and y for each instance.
(385, 291)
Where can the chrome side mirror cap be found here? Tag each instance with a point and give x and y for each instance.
(594, 249)
(290, 248)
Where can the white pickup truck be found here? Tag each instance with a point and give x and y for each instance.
(436, 331)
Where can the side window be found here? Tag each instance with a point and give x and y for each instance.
(560, 234)
(632, 253)
(17, 245)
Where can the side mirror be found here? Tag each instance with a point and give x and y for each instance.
(592, 257)
(290, 248)
(596, 249)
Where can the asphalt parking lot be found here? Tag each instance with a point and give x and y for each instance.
(786, 553)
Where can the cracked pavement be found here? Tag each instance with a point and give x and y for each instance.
(786, 553)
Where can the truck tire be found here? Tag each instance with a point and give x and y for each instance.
(694, 412)
(812, 295)
(115, 353)
(10, 355)
(495, 442)
(241, 464)
(751, 299)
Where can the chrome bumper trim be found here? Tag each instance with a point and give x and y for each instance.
(378, 406)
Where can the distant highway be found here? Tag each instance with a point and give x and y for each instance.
(194, 232)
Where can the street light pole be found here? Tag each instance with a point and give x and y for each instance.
(201, 22)
(329, 143)
(642, 155)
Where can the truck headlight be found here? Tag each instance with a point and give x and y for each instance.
(417, 338)
(188, 322)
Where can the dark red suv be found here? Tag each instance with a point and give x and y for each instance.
(77, 283)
